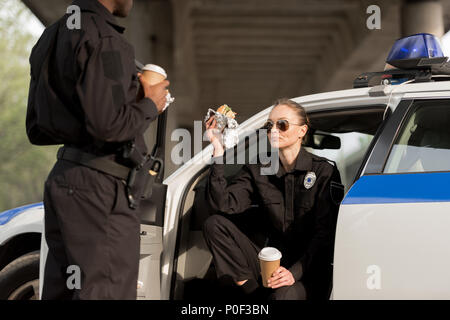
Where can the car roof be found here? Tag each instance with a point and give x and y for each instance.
(366, 96)
(411, 89)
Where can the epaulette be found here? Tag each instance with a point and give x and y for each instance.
(318, 158)
(104, 30)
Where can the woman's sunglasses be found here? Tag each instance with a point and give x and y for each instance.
(282, 124)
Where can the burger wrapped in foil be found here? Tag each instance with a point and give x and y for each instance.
(226, 124)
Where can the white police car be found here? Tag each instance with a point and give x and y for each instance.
(392, 146)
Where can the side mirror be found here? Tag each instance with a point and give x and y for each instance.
(323, 141)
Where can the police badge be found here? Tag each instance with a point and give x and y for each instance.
(310, 179)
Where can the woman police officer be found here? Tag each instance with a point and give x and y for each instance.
(299, 211)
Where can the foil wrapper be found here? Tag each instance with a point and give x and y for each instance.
(169, 99)
(228, 126)
(230, 138)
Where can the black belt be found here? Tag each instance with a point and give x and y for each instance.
(99, 163)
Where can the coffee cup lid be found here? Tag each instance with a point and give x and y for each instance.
(269, 254)
(155, 68)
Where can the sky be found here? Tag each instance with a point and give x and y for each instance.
(33, 24)
(445, 42)
(29, 20)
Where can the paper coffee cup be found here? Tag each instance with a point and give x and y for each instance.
(269, 259)
(153, 74)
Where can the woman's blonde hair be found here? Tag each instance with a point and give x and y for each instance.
(301, 113)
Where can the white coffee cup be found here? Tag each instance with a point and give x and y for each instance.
(269, 259)
(155, 74)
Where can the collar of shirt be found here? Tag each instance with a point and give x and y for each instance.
(98, 8)
(302, 163)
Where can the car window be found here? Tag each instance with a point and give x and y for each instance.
(349, 157)
(423, 144)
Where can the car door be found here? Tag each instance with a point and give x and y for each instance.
(152, 222)
(392, 234)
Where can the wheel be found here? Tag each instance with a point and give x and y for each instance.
(19, 280)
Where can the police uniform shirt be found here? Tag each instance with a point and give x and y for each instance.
(300, 220)
(93, 70)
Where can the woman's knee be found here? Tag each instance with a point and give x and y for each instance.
(214, 224)
(295, 292)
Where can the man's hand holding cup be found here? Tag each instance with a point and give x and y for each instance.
(154, 86)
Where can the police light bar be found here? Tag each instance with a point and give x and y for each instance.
(417, 51)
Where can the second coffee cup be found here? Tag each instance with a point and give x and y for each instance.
(153, 74)
(269, 259)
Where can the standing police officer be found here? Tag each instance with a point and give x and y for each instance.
(83, 94)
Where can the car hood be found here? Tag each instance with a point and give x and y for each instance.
(7, 215)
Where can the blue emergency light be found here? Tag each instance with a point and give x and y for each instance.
(418, 57)
(420, 50)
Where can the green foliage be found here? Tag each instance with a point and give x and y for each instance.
(23, 167)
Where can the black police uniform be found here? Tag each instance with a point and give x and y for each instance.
(91, 106)
(297, 220)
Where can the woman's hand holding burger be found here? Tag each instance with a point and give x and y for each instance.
(214, 136)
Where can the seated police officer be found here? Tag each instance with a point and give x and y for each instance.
(85, 98)
(298, 212)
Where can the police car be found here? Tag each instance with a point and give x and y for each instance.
(391, 142)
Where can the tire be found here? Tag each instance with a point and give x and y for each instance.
(19, 280)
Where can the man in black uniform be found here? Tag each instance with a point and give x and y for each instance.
(87, 101)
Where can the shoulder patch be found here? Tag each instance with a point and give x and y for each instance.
(112, 65)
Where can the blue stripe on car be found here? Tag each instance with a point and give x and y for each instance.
(400, 188)
(7, 215)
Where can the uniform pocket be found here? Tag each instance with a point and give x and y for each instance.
(120, 200)
(305, 199)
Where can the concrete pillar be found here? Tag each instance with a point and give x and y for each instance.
(422, 16)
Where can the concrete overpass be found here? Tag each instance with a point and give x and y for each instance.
(247, 53)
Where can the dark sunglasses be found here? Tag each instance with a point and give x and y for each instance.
(282, 124)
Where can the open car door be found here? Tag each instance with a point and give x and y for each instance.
(152, 222)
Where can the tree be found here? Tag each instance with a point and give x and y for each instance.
(23, 167)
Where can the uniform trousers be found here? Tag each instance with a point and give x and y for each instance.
(236, 256)
(89, 225)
